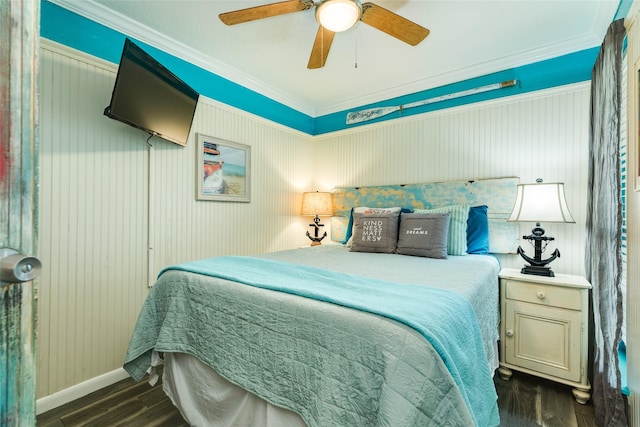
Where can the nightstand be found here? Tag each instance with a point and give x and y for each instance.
(544, 328)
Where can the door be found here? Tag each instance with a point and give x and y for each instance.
(19, 32)
(544, 339)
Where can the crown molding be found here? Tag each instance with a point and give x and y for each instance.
(96, 12)
(100, 14)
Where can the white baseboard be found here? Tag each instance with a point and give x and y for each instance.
(77, 391)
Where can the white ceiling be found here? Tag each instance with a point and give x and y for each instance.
(469, 38)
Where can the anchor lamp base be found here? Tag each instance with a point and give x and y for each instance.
(316, 240)
(537, 265)
(538, 271)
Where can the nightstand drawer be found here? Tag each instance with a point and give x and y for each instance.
(550, 295)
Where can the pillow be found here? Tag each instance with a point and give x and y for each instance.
(364, 210)
(478, 230)
(457, 242)
(424, 235)
(375, 232)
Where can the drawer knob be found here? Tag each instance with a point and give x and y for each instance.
(509, 332)
(540, 294)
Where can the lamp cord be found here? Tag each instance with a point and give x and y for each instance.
(543, 248)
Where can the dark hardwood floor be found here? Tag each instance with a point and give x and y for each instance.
(528, 401)
(524, 401)
(125, 403)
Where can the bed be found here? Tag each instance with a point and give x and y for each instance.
(331, 335)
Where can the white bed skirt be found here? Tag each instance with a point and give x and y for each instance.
(204, 398)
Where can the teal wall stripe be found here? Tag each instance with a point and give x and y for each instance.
(68, 28)
(623, 9)
(336, 121)
(567, 69)
(230, 93)
(77, 32)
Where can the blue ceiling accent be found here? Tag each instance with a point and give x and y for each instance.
(77, 32)
(563, 70)
(623, 9)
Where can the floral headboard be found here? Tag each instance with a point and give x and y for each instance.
(498, 194)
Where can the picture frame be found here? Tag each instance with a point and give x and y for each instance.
(223, 170)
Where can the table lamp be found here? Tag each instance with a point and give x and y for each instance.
(540, 202)
(318, 204)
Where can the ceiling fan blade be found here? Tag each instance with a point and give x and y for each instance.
(393, 24)
(321, 47)
(265, 11)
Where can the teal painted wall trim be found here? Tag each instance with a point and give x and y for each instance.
(623, 9)
(563, 70)
(70, 29)
(77, 32)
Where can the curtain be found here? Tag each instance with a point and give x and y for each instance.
(604, 222)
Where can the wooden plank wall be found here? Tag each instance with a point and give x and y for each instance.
(19, 25)
(92, 224)
(538, 135)
(114, 211)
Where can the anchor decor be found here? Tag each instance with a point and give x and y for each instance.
(540, 202)
(537, 264)
(315, 240)
(317, 204)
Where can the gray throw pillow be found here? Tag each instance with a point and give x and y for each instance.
(375, 232)
(423, 235)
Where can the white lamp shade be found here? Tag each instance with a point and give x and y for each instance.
(317, 203)
(541, 202)
(338, 15)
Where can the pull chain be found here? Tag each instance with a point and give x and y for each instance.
(356, 53)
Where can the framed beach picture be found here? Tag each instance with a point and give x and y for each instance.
(223, 171)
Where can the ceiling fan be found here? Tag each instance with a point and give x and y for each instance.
(334, 16)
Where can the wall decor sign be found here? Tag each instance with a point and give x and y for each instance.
(223, 171)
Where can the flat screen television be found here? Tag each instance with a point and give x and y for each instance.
(148, 96)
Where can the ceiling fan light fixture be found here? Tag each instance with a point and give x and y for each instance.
(338, 15)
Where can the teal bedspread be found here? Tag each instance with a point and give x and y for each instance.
(308, 366)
